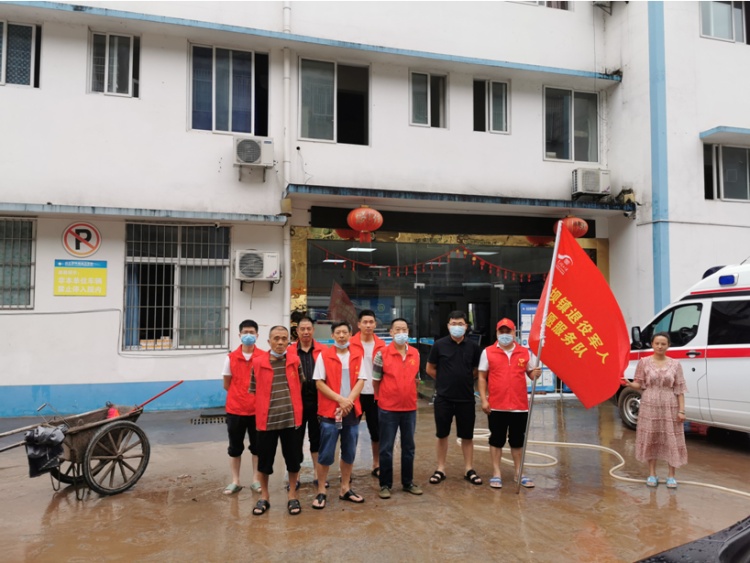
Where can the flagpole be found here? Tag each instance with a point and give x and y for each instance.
(550, 279)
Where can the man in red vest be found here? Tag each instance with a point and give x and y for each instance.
(308, 351)
(503, 368)
(395, 377)
(367, 344)
(339, 378)
(240, 405)
(276, 382)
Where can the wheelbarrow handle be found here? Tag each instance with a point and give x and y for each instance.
(16, 445)
(17, 430)
(160, 394)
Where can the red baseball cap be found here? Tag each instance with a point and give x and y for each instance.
(505, 323)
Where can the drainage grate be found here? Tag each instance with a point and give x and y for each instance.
(209, 419)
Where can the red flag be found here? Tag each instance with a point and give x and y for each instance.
(341, 307)
(586, 340)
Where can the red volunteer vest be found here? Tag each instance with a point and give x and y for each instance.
(239, 400)
(263, 373)
(327, 407)
(398, 386)
(506, 378)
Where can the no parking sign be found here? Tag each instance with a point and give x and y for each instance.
(81, 239)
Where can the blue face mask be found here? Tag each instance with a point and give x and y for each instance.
(457, 331)
(343, 346)
(505, 339)
(401, 338)
(277, 355)
(248, 339)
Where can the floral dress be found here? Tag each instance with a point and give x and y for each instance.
(659, 434)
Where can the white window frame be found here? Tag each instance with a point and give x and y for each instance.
(488, 105)
(718, 156)
(106, 85)
(4, 55)
(335, 100)
(31, 265)
(253, 70)
(732, 23)
(444, 108)
(571, 138)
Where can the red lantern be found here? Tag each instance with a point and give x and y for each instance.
(346, 234)
(577, 227)
(540, 241)
(365, 220)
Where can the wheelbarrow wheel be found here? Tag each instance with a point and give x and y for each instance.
(69, 473)
(116, 457)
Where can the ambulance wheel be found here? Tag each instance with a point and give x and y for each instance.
(629, 404)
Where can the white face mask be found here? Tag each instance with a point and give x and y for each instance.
(505, 339)
(457, 331)
(343, 346)
(401, 338)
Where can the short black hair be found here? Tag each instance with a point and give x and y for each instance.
(367, 313)
(337, 324)
(248, 323)
(394, 321)
(305, 318)
(458, 315)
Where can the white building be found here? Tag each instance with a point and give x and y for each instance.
(122, 208)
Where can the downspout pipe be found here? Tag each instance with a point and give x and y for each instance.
(287, 165)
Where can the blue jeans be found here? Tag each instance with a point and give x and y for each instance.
(390, 423)
(329, 435)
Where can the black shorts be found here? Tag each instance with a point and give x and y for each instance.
(291, 449)
(465, 414)
(507, 424)
(237, 426)
(370, 410)
(310, 420)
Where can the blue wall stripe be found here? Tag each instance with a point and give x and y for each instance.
(24, 400)
(295, 38)
(659, 160)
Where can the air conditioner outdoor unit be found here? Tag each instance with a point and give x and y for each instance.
(253, 151)
(252, 265)
(590, 181)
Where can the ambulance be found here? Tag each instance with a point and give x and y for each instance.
(709, 326)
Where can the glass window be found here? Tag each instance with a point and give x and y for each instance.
(229, 90)
(19, 54)
(17, 245)
(571, 122)
(735, 177)
(490, 99)
(176, 287)
(114, 64)
(724, 20)
(681, 323)
(729, 323)
(428, 99)
(334, 102)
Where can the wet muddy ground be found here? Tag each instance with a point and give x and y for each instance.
(577, 512)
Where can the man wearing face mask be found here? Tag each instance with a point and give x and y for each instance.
(240, 405)
(395, 377)
(340, 379)
(503, 368)
(453, 364)
(276, 380)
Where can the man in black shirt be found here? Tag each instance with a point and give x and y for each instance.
(453, 364)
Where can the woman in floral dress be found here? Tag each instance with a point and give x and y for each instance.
(660, 434)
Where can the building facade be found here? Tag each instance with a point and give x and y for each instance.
(170, 169)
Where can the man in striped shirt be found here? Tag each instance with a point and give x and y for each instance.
(276, 381)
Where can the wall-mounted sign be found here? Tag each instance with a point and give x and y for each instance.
(81, 278)
(81, 239)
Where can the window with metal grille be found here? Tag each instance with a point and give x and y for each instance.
(20, 50)
(176, 287)
(17, 263)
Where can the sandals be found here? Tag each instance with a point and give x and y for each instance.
(437, 477)
(472, 477)
(527, 482)
(375, 472)
(255, 487)
(496, 483)
(671, 483)
(321, 498)
(652, 481)
(232, 488)
(260, 507)
(294, 507)
(295, 488)
(351, 496)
